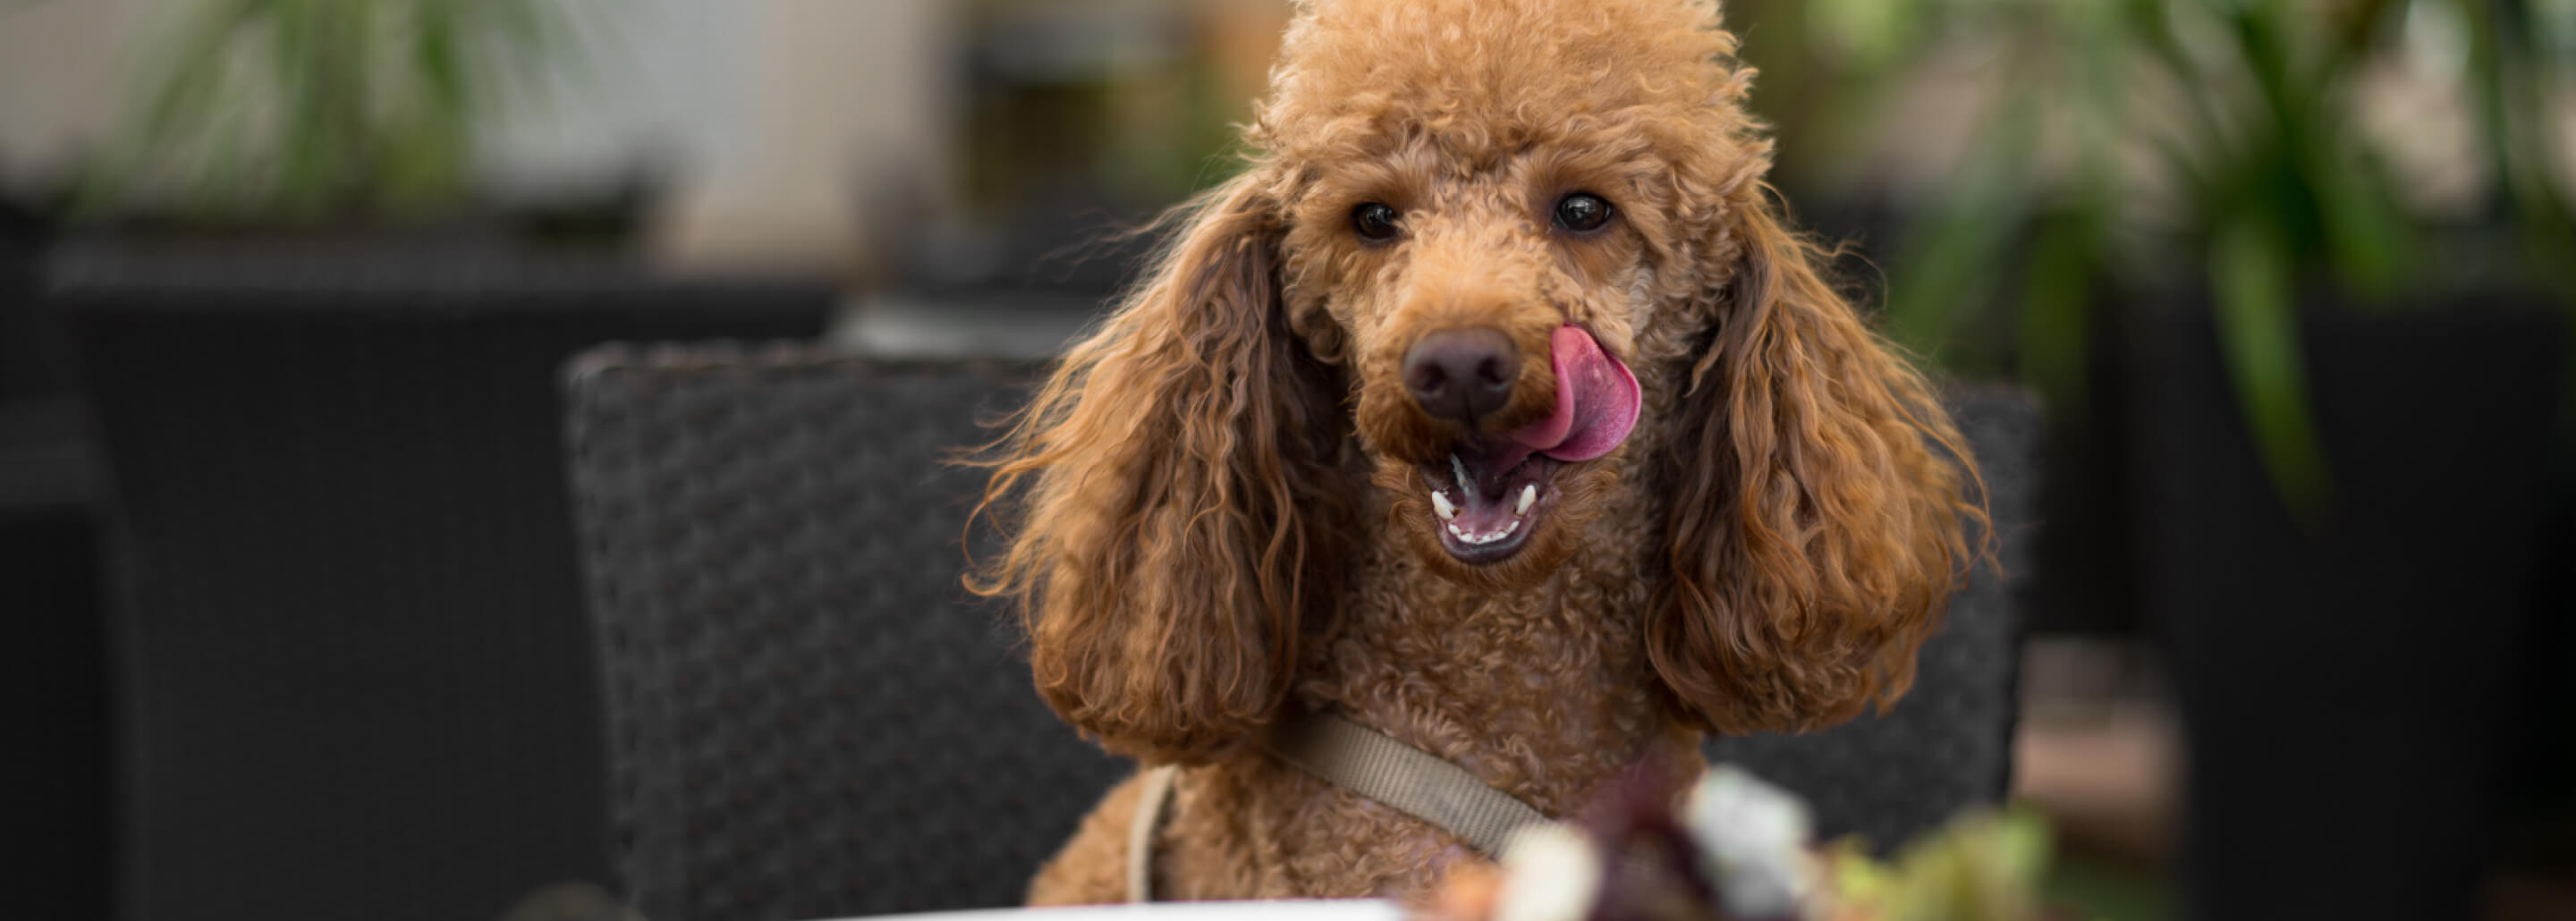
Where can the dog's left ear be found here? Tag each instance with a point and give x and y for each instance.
(1818, 497)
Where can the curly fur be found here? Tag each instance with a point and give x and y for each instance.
(1216, 508)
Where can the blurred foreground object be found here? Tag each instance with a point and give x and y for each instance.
(1738, 849)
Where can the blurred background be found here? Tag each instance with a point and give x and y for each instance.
(285, 286)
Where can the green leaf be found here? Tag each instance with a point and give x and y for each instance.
(199, 60)
(2368, 238)
(1943, 273)
(2056, 308)
(2253, 301)
(442, 71)
(2152, 20)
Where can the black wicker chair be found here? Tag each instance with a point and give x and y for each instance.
(354, 675)
(811, 718)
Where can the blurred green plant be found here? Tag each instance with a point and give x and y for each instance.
(314, 111)
(1981, 866)
(2148, 142)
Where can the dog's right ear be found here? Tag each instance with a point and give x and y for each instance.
(1171, 488)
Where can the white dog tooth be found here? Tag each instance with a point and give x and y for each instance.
(1440, 503)
(1487, 537)
(1529, 497)
(1459, 467)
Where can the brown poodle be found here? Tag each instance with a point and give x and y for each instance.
(1491, 407)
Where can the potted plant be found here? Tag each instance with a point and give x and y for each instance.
(2319, 432)
(306, 119)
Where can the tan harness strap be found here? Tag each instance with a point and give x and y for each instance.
(1151, 803)
(1410, 780)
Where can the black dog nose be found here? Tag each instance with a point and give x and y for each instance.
(1462, 374)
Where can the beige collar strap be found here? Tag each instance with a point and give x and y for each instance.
(1407, 779)
(1151, 803)
(1363, 761)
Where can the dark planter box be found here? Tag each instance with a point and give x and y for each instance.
(354, 676)
(49, 586)
(2368, 691)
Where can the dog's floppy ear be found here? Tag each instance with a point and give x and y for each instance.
(1172, 499)
(1818, 497)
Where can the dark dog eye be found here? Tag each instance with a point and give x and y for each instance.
(1582, 211)
(1374, 221)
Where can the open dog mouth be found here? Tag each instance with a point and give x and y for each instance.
(1489, 497)
(1491, 493)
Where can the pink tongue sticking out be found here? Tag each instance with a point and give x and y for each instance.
(1596, 401)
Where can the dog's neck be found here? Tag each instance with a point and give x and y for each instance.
(1545, 693)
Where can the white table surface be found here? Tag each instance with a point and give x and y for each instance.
(1307, 910)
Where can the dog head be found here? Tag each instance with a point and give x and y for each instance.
(1494, 259)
